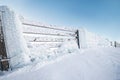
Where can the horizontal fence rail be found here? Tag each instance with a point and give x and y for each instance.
(46, 27)
(40, 33)
(38, 24)
(47, 44)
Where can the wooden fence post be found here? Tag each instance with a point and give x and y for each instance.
(115, 43)
(77, 37)
(4, 61)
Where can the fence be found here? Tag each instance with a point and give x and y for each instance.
(51, 36)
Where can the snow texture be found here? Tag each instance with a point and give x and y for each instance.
(85, 64)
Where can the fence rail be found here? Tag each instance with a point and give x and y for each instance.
(29, 24)
(40, 33)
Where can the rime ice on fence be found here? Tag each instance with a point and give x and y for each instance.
(90, 40)
(15, 44)
(94, 40)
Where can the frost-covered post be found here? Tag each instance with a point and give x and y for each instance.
(82, 38)
(77, 37)
(115, 43)
(15, 44)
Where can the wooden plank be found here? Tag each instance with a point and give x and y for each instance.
(47, 39)
(47, 44)
(40, 33)
(2, 60)
(3, 54)
(38, 24)
(46, 27)
(36, 30)
(46, 36)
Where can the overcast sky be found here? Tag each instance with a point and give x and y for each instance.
(99, 16)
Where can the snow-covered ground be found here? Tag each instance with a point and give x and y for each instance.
(86, 64)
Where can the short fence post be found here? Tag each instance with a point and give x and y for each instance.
(115, 44)
(77, 37)
(111, 44)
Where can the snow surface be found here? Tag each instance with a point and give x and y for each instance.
(85, 64)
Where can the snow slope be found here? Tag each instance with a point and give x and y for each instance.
(87, 64)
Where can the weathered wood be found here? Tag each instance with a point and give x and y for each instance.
(40, 33)
(48, 44)
(115, 44)
(47, 39)
(77, 37)
(4, 63)
(35, 25)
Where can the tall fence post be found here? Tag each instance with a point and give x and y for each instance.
(12, 31)
(77, 37)
(4, 61)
